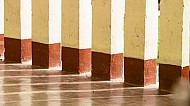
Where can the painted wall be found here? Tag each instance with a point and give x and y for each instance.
(40, 23)
(12, 19)
(85, 24)
(1, 16)
(186, 34)
(174, 38)
(26, 19)
(101, 26)
(135, 13)
(54, 21)
(77, 24)
(18, 19)
(70, 23)
(151, 30)
(46, 21)
(117, 26)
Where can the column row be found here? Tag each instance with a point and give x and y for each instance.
(99, 36)
(40, 26)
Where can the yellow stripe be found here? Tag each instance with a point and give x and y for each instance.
(135, 28)
(101, 26)
(70, 23)
(12, 19)
(40, 23)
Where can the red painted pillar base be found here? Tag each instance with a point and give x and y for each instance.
(18, 50)
(139, 72)
(107, 66)
(46, 55)
(170, 74)
(2, 49)
(76, 60)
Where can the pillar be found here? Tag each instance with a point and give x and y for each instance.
(1, 29)
(46, 33)
(107, 39)
(76, 36)
(18, 30)
(174, 42)
(141, 35)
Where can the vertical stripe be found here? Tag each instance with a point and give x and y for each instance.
(12, 19)
(117, 26)
(70, 23)
(171, 29)
(134, 29)
(185, 34)
(85, 24)
(54, 21)
(26, 19)
(40, 21)
(1, 16)
(101, 26)
(151, 29)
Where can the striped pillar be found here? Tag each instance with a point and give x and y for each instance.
(107, 39)
(18, 30)
(76, 36)
(1, 29)
(174, 42)
(46, 33)
(141, 35)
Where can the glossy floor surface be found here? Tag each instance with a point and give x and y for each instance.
(24, 85)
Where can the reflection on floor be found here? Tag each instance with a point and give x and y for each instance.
(24, 85)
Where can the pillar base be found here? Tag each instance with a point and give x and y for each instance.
(2, 49)
(107, 66)
(18, 50)
(46, 55)
(139, 72)
(76, 60)
(170, 74)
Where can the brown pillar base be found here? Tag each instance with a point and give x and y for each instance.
(107, 66)
(46, 55)
(17, 50)
(76, 60)
(169, 74)
(139, 72)
(2, 49)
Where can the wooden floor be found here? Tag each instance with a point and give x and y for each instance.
(24, 85)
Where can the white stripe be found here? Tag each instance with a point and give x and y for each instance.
(25, 88)
(26, 19)
(1, 88)
(85, 98)
(1, 16)
(85, 24)
(57, 83)
(68, 91)
(151, 30)
(185, 34)
(1, 77)
(54, 21)
(117, 26)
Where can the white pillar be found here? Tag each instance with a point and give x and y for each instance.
(46, 33)
(76, 36)
(18, 30)
(141, 38)
(107, 39)
(174, 42)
